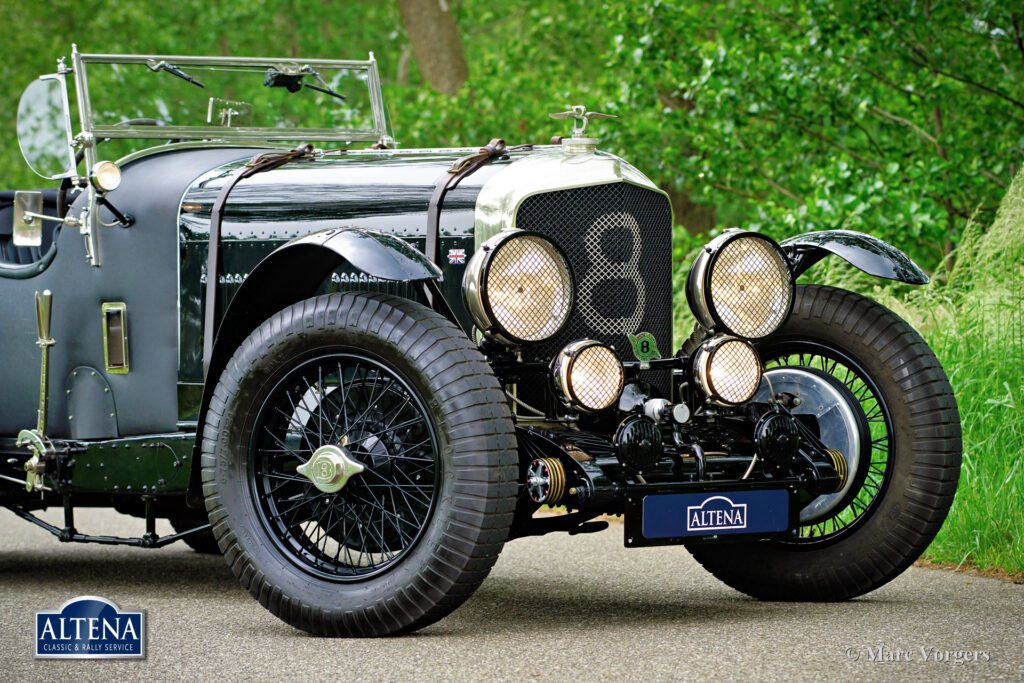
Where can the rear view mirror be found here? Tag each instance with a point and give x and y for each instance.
(44, 127)
(28, 227)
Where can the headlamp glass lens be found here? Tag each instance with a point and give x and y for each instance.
(751, 287)
(529, 289)
(733, 371)
(106, 176)
(595, 377)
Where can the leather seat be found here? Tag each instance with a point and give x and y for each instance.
(18, 256)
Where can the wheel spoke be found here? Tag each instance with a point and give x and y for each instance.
(393, 517)
(366, 411)
(283, 445)
(287, 477)
(320, 404)
(344, 399)
(402, 488)
(376, 505)
(355, 402)
(292, 423)
(876, 470)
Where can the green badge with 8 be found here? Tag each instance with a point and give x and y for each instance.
(645, 348)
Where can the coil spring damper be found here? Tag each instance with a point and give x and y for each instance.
(545, 481)
(842, 469)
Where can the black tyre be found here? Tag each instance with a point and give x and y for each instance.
(365, 382)
(202, 541)
(908, 481)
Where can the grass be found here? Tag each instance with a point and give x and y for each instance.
(973, 318)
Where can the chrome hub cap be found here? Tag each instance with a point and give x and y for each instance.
(330, 468)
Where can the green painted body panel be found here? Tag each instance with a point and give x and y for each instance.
(388, 194)
(144, 464)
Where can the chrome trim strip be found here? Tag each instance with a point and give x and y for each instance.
(377, 102)
(238, 133)
(94, 58)
(174, 146)
(443, 151)
(119, 309)
(325, 154)
(89, 227)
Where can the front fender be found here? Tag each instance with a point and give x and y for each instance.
(291, 273)
(377, 254)
(294, 270)
(869, 254)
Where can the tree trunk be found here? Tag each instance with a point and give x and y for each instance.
(697, 218)
(435, 42)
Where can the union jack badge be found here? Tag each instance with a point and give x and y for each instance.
(456, 256)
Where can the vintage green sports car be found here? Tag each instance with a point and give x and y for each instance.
(358, 371)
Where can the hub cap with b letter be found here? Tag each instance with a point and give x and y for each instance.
(330, 468)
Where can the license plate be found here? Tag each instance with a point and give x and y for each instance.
(677, 515)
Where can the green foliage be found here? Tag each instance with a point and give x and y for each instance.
(976, 324)
(898, 119)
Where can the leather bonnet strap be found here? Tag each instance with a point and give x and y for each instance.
(259, 163)
(462, 168)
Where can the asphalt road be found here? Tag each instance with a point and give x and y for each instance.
(555, 607)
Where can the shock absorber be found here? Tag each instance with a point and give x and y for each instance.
(842, 469)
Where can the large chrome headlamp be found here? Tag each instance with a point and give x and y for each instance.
(588, 375)
(727, 369)
(518, 287)
(740, 283)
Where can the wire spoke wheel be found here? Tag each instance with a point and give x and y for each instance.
(358, 403)
(872, 476)
(907, 462)
(359, 465)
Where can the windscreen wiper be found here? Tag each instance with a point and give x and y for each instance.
(327, 91)
(324, 88)
(171, 69)
(291, 80)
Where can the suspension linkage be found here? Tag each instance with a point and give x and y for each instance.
(70, 535)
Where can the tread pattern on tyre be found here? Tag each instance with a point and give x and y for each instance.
(480, 437)
(923, 485)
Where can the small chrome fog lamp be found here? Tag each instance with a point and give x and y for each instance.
(518, 287)
(588, 375)
(105, 176)
(740, 283)
(727, 369)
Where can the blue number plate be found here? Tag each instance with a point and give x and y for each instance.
(674, 515)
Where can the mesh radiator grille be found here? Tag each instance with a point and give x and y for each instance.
(618, 238)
